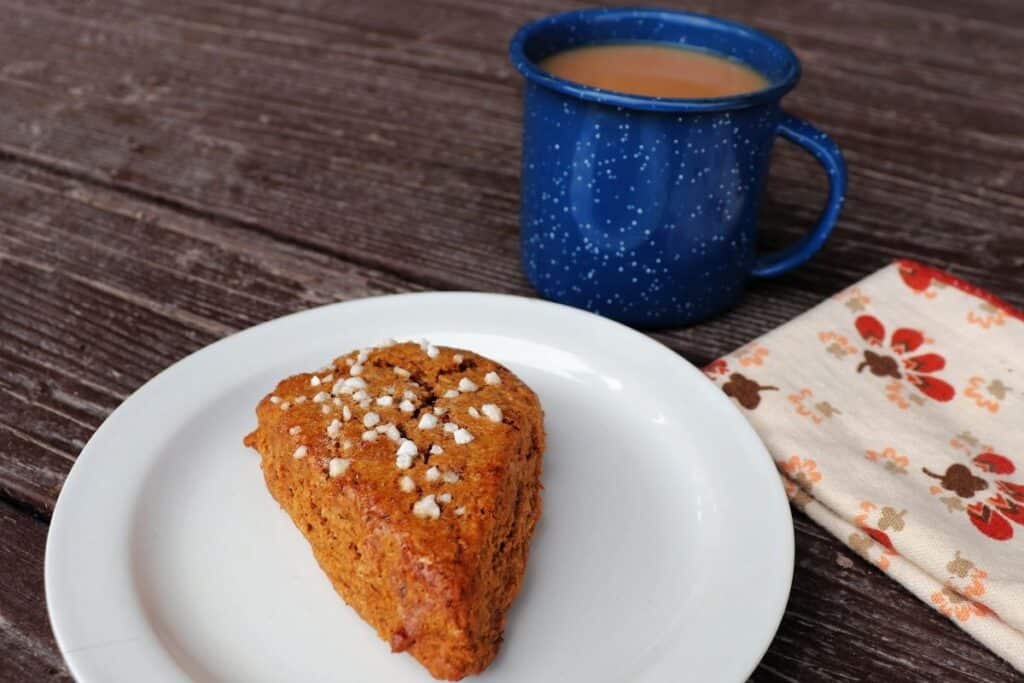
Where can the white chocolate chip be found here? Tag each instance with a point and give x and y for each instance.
(346, 413)
(327, 379)
(426, 508)
(450, 427)
(401, 372)
(340, 388)
(492, 378)
(436, 450)
(406, 406)
(433, 474)
(438, 410)
(321, 396)
(338, 467)
(299, 400)
(369, 435)
(295, 430)
(384, 401)
(360, 395)
(451, 393)
(334, 429)
(406, 484)
(445, 498)
(457, 358)
(466, 384)
(275, 400)
(492, 412)
(462, 437)
(300, 452)
(314, 381)
(371, 419)
(451, 477)
(356, 370)
(428, 421)
(473, 412)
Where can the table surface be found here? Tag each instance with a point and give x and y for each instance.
(173, 172)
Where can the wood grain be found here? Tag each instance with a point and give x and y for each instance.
(29, 651)
(173, 172)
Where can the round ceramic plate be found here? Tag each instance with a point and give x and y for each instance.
(665, 551)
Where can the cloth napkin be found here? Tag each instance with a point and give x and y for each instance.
(895, 414)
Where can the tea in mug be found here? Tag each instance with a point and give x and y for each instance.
(654, 70)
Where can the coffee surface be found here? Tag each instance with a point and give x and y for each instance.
(654, 70)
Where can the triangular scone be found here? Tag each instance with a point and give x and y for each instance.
(414, 472)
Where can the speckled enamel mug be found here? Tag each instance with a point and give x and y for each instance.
(644, 209)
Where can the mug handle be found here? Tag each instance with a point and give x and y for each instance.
(825, 150)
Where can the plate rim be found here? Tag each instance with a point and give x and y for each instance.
(60, 624)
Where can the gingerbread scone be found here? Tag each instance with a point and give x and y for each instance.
(414, 473)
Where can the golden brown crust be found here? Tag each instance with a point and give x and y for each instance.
(435, 581)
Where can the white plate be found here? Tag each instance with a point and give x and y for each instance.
(665, 551)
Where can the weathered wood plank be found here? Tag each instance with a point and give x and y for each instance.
(270, 111)
(29, 651)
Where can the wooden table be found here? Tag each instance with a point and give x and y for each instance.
(171, 172)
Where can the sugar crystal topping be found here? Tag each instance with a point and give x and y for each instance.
(467, 385)
(492, 378)
(300, 452)
(426, 508)
(338, 466)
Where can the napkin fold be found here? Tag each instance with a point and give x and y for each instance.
(895, 414)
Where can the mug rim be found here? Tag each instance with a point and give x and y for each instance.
(532, 72)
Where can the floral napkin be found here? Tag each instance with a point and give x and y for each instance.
(895, 413)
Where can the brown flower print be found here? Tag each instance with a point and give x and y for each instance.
(747, 392)
(993, 515)
(914, 369)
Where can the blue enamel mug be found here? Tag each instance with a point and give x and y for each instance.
(644, 209)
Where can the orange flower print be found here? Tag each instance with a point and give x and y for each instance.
(914, 369)
(752, 354)
(991, 516)
(838, 345)
(888, 519)
(964, 585)
(987, 396)
(856, 300)
(804, 471)
(816, 412)
(893, 461)
(989, 317)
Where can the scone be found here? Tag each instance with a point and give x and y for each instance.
(414, 472)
